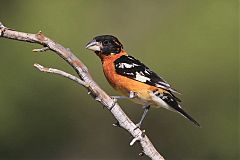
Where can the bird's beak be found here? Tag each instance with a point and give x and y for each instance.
(94, 46)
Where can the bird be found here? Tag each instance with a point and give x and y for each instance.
(133, 79)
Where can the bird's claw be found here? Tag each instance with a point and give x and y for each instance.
(137, 126)
(114, 102)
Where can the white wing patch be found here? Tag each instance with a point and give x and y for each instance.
(141, 78)
(126, 65)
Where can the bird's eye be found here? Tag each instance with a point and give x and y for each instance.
(106, 42)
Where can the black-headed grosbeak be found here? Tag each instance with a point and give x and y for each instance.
(133, 79)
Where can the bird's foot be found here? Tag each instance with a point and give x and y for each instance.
(114, 102)
(138, 125)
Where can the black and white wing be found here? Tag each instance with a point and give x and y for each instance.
(132, 68)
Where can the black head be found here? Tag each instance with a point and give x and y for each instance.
(105, 44)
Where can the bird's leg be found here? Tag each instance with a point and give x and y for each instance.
(119, 97)
(146, 109)
(130, 96)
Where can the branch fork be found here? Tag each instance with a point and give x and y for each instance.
(84, 79)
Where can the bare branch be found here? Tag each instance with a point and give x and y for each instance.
(82, 71)
(61, 73)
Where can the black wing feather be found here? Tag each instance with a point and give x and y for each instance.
(130, 67)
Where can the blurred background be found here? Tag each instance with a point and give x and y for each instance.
(192, 44)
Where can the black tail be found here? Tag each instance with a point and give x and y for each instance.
(182, 112)
(171, 100)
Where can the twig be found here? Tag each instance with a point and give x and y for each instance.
(82, 71)
(61, 73)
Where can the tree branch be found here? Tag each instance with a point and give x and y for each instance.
(86, 81)
(61, 73)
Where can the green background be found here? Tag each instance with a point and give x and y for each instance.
(192, 44)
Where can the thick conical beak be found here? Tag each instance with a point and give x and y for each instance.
(94, 46)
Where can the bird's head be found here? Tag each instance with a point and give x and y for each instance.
(105, 45)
